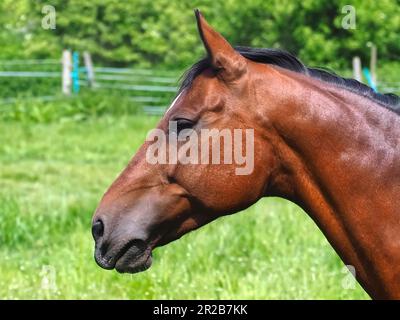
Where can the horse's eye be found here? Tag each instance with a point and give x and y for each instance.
(183, 123)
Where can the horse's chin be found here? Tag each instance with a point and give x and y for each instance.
(131, 263)
(131, 257)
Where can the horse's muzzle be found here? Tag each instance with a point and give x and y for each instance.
(131, 257)
(125, 256)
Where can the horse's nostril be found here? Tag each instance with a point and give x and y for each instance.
(97, 229)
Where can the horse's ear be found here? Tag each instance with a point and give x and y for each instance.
(223, 57)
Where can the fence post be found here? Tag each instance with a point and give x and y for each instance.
(75, 72)
(89, 68)
(374, 57)
(66, 72)
(368, 76)
(357, 68)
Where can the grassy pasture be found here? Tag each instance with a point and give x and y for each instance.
(52, 175)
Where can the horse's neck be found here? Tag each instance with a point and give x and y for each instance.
(338, 161)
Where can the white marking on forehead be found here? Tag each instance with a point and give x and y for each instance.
(173, 103)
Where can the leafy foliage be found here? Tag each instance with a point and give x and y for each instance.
(163, 33)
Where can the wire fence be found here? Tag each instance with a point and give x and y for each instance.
(389, 86)
(29, 74)
(30, 62)
(150, 89)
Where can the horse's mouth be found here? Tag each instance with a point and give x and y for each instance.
(132, 262)
(135, 256)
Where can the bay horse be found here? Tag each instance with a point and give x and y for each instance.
(328, 144)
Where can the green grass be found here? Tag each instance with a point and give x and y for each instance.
(52, 175)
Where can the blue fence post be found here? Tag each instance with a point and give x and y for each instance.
(75, 72)
(371, 82)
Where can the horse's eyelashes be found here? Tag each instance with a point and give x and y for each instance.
(182, 124)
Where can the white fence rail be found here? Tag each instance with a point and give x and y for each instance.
(148, 88)
(151, 89)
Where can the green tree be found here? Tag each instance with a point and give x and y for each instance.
(162, 33)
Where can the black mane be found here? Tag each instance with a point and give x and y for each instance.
(286, 60)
